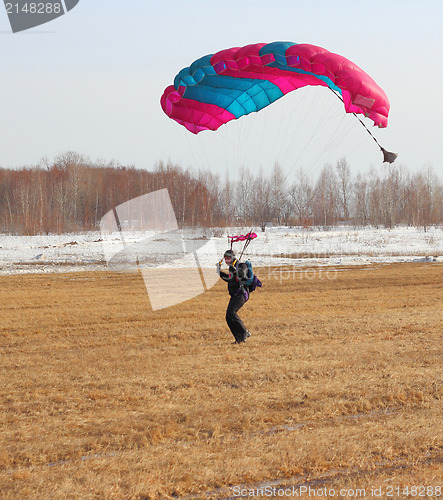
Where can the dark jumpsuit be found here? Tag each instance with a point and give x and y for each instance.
(238, 294)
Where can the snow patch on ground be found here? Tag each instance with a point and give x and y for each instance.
(278, 246)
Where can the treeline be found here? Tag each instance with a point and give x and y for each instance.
(72, 193)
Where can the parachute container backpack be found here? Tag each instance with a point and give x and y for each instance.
(229, 84)
(252, 282)
(250, 276)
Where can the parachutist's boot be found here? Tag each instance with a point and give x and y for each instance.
(246, 336)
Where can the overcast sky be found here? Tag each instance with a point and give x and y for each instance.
(91, 80)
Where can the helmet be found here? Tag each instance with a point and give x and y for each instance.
(229, 253)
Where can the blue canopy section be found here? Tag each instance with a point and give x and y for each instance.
(239, 96)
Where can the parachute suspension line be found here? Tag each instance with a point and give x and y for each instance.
(229, 152)
(200, 142)
(304, 111)
(287, 138)
(333, 140)
(338, 136)
(242, 136)
(388, 157)
(226, 135)
(249, 238)
(320, 155)
(262, 146)
(188, 141)
(278, 133)
(184, 137)
(302, 107)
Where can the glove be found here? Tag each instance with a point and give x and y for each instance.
(217, 267)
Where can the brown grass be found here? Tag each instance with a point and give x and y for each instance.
(340, 385)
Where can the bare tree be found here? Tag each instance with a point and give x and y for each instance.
(229, 200)
(262, 206)
(301, 194)
(326, 198)
(361, 215)
(279, 195)
(244, 195)
(427, 199)
(344, 179)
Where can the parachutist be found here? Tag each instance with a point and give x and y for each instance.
(241, 281)
(237, 300)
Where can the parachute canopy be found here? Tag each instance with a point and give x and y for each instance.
(234, 82)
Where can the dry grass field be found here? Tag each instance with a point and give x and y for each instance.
(340, 387)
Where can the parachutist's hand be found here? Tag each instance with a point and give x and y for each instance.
(217, 266)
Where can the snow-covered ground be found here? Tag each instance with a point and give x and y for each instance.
(277, 246)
